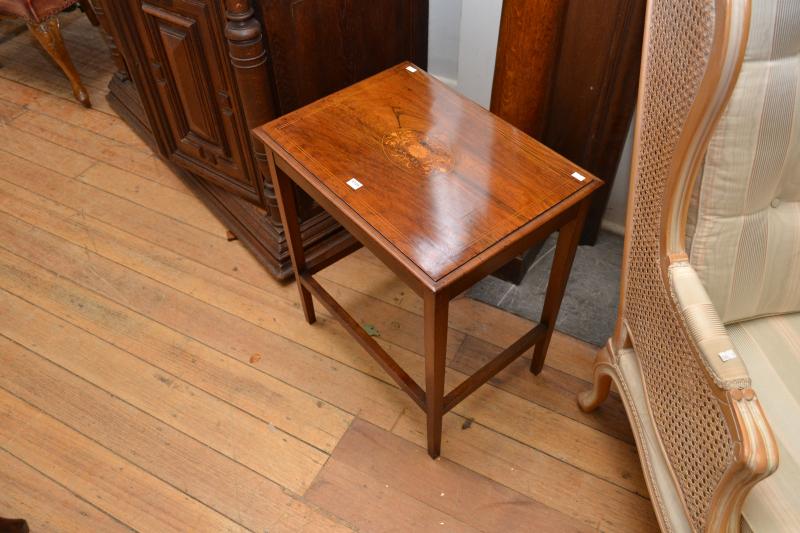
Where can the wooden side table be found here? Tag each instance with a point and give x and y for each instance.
(439, 189)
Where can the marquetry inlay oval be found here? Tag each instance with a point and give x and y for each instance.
(415, 150)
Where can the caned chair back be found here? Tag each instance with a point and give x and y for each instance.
(691, 56)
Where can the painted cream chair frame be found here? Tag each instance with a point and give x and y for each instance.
(702, 435)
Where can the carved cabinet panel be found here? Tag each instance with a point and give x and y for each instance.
(190, 70)
(321, 46)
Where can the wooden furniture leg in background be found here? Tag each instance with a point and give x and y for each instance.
(91, 14)
(13, 525)
(568, 237)
(287, 204)
(48, 33)
(436, 307)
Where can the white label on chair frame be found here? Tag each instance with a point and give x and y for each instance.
(727, 355)
(354, 184)
(411, 69)
(578, 176)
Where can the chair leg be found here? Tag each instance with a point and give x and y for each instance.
(48, 33)
(601, 381)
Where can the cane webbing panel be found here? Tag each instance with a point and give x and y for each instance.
(688, 419)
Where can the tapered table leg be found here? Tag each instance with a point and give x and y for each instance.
(568, 237)
(287, 205)
(435, 347)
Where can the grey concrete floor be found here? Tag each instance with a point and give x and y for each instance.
(589, 308)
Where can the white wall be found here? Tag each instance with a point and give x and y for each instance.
(444, 28)
(462, 44)
(480, 25)
(614, 217)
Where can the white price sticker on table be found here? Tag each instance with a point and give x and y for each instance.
(578, 176)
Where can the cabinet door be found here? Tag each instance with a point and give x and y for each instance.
(191, 72)
(320, 46)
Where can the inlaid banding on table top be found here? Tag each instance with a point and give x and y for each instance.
(455, 179)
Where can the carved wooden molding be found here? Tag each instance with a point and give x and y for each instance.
(756, 458)
(249, 59)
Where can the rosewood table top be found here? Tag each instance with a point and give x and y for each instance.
(435, 177)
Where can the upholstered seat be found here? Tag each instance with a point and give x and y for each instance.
(744, 220)
(34, 11)
(770, 348)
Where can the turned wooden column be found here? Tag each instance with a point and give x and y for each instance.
(249, 59)
(527, 53)
(216, 65)
(567, 73)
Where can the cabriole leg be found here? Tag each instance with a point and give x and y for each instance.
(48, 33)
(601, 381)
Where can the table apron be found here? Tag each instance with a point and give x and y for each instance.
(462, 279)
(453, 283)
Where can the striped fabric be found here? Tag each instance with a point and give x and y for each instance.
(744, 223)
(770, 348)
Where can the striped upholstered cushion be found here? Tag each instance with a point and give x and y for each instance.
(744, 224)
(770, 348)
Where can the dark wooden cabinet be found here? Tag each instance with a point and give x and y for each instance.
(359, 38)
(195, 91)
(197, 75)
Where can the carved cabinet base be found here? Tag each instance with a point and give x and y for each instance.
(251, 225)
(322, 236)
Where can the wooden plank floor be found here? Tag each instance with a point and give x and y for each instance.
(154, 377)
